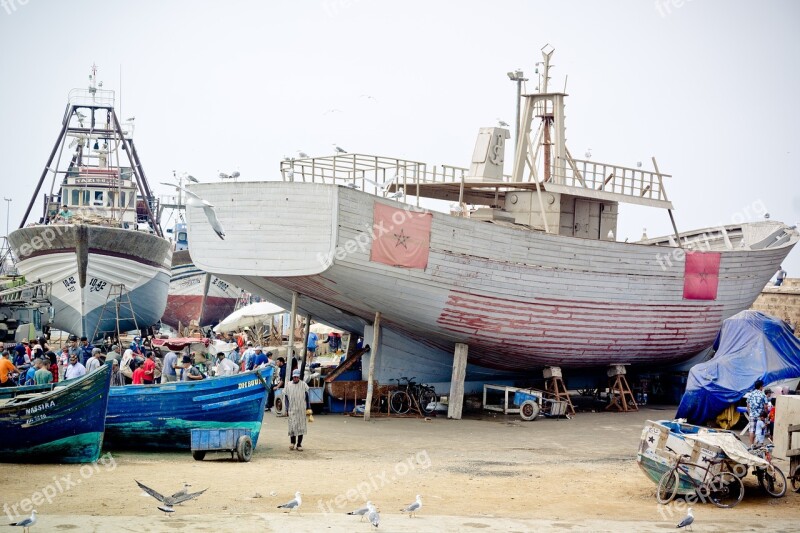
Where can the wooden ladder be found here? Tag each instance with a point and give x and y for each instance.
(624, 401)
(119, 298)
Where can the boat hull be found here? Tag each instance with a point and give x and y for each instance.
(162, 416)
(195, 295)
(64, 425)
(520, 299)
(84, 263)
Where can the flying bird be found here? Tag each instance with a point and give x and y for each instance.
(208, 208)
(166, 509)
(361, 511)
(413, 508)
(130, 119)
(688, 521)
(339, 149)
(368, 97)
(169, 501)
(293, 504)
(502, 123)
(372, 514)
(27, 523)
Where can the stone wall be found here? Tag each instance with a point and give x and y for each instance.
(782, 302)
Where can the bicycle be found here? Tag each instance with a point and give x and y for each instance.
(724, 489)
(769, 477)
(411, 394)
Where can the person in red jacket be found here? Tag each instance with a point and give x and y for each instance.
(138, 374)
(150, 368)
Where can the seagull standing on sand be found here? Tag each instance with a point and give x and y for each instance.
(183, 492)
(293, 504)
(362, 511)
(687, 521)
(413, 508)
(208, 208)
(374, 517)
(27, 523)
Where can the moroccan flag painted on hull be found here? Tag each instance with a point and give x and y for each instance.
(402, 238)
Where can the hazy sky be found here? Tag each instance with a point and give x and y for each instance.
(709, 87)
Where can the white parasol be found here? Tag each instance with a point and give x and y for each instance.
(249, 316)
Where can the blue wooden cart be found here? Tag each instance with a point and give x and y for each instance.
(237, 441)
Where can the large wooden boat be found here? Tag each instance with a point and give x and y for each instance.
(162, 416)
(104, 254)
(532, 274)
(62, 425)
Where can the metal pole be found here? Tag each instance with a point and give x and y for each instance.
(8, 211)
(519, 98)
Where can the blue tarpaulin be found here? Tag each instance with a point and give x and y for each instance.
(751, 346)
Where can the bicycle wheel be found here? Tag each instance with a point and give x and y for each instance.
(667, 487)
(774, 484)
(427, 401)
(725, 490)
(400, 402)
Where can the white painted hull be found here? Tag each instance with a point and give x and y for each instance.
(520, 299)
(88, 309)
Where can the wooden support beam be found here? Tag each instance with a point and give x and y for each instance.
(290, 340)
(305, 347)
(455, 402)
(376, 339)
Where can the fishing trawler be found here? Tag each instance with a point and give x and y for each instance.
(195, 296)
(97, 240)
(531, 275)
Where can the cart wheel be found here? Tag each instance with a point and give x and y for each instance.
(198, 454)
(244, 448)
(278, 406)
(529, 410)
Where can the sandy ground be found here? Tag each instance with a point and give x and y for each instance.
(485, 472)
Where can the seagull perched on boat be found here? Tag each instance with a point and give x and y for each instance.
(208, 208)
(688, 521)
(372, 514)
(293, 504)
(413, 508)
(169, 501)
(27, 523)
(339, 149)
(361, 511)
(588, 153)
(502, 123)
(302, 153)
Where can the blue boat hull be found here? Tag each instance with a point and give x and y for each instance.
(162, 416)
(61, 426)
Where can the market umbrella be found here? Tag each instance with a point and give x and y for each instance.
(249, 316)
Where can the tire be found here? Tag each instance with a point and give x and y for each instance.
(198, 455)
(244, 448)
(726, 490)
(796, 479)
(774, 484)
(667, 487)
(427, 401)
(400, 402)
(529, 410)
(278, 407)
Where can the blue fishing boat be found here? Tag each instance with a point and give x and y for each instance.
(63, 425)
(162, 416)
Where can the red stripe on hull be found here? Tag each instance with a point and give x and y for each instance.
(185, 308)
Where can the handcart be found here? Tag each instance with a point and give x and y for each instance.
(237, 441)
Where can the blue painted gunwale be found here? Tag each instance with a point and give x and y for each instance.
(162, 416)
(64, 425)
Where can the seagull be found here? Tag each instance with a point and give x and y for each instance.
(27, 523)
(81, 117)
(191, 178)
(208, 208)
(329, 111)
(339, 149)
(687, 521)
(399, 193)
(302, 153)
(362, 511)
(169, 501)
(413, 508)
(184, 491)
(368, 97)
(293, 504)
(374, 517)
(502, 123)
(638, 164)
(588, 153)
(130, 119)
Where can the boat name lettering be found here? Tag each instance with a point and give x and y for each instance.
(36, 418)
(97, 285)
(69, 283)
(248, 384)
(190, 281)
(94, 180)
(219, 283)
(40, 407)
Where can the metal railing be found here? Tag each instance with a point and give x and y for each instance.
(610, 178)
(92, 98)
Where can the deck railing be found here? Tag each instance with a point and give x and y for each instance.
(611, 178)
